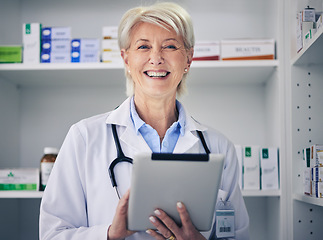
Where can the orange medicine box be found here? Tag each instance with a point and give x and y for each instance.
(248, 49)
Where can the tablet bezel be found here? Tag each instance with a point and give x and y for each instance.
(197, 178)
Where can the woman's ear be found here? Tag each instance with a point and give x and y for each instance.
(190, 54)
(124, 56)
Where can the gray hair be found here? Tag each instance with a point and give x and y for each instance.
(164, 15)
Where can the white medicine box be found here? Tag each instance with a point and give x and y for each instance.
(206, 50)
(239, 156)
(248, 49)
(269, 168)
(251, 175)
(31, 42)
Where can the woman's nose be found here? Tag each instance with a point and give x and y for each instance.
(155, 57)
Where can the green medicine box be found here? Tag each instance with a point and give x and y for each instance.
(10, 54)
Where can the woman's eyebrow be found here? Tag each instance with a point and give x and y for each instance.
(142, 40)
(171, 39)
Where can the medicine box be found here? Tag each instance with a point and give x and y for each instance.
(56, 33)
(248, 49)
(317, 189)
(318, 174)
(112, 57)
(56, 57)
(56, 45)
(110, 45)
(307, 181)
(308, 15)
(319, 21)
(19, 179)
(269, 162)
(85, 44)
(10, 54)
(309, 35)
(31, 42)
(299, 34)
(110, 32)
(85, 56)
(239, 156)
(207, 50)
(307, 157)
(316, 159)
(251, 175)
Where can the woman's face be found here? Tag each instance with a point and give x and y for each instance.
(156, 60)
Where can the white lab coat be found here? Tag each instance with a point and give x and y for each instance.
(79, 201)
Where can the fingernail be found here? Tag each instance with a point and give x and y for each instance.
(157, 212)
(179, 204)
(152, 219)
(149, 231)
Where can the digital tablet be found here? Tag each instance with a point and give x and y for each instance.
(162, 180)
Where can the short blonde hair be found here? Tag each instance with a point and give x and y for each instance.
(165, 15)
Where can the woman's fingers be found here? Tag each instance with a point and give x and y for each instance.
(167, 227)
(118, 228)
(184, 215)
(161, 225)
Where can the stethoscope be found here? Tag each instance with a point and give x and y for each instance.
(122, 158)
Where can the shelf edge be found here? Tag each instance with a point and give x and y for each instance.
(309, 199)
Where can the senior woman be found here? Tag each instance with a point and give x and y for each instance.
(79, 202)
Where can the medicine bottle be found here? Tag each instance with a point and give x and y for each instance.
(46, 165)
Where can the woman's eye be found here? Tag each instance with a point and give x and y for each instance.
(143, 47)
(170, 47)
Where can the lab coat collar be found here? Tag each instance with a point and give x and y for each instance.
(189, 141)
(121, 116)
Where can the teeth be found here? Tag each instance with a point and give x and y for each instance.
(156, 74)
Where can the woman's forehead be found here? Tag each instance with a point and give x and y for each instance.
(150, 31)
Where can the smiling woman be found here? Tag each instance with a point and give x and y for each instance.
(157, 45)
(156, 54)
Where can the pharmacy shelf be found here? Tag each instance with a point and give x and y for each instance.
(309, 199)
(261, 193)
(257, 71)
(311, 53)
(21, 194)
(39, 194)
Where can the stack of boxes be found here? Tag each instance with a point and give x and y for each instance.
(85, 50)
(110, 48)
(235, 49)
(259, 167)
(56, 45)
(308, 22)
(313, 170)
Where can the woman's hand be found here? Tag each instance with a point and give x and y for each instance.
(168, 229)
(118, 228)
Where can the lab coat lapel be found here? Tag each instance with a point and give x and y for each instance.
(190, 141)
(121, 117)
(134, 141)
(187, 143)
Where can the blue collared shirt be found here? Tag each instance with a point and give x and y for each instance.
(151, 136)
